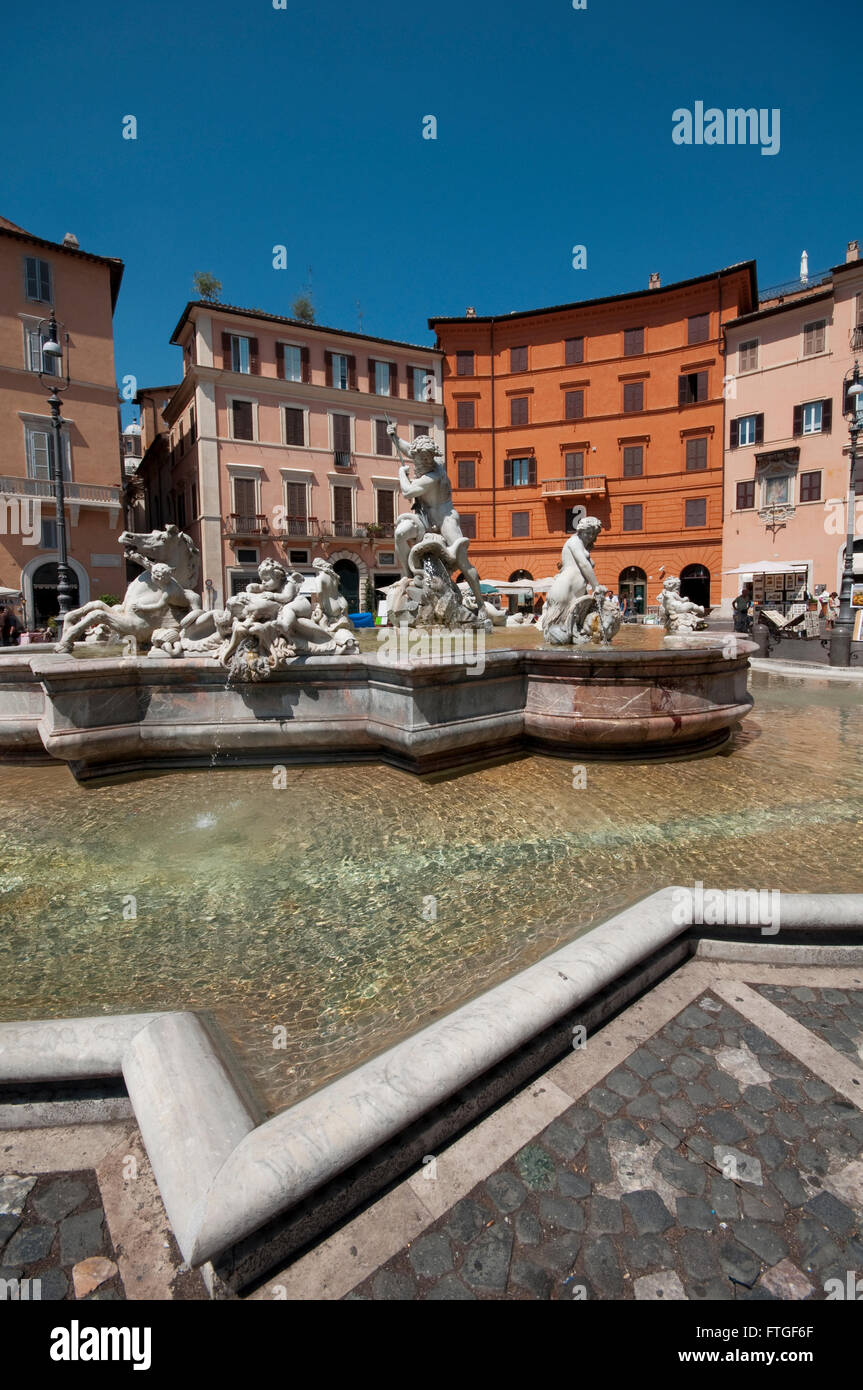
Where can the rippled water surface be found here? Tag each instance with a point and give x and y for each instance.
(307, 907)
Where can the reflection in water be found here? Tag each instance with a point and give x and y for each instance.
(303, 907)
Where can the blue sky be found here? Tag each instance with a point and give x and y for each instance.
(303, 127)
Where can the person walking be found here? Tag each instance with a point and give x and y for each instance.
(742, 606)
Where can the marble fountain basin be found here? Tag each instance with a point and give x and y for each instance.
(107, 716)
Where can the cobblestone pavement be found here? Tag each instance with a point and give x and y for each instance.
(53, 1235)
(711, 1165)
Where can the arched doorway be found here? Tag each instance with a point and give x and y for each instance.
(46, 604)
(695, 584)
(520, 601)
(632, 586)
(349, 579)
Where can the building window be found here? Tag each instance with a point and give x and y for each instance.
(574, 466)
(633, 519)
(247, 555)
(295, 425)
(691, 387)
(293, 360)
(385, 507)
(48, 537)
(812, 416)
(466, 473)
(464, 363)
(518, 359)
(633, 397)
(574, 352)
(383, 379)
(342, 436)
(343, 511)
(810, 487)
(193, 427)
(518, 410)
(240, 355)
(296, 497)
(383, 441)
(40, 454)
(747, 429)
(468, 524)
(520, 524)
(418, 431)
(298, 557)
(696, 455)
(465, 414)
(340, 371)
(633, 342)
(575, 405)
(245, 499)
(422, 389)
(633, 460)
(814, 335)
(37, 275)
(519, 472)
(698, 328)
(746, 495)
(36, 338)
(748, 355)
(776, 492)
(242, 420)
(696, 511)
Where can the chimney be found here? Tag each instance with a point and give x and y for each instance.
(470, 312)
(654, 283)
(71, 240)
(853, 252)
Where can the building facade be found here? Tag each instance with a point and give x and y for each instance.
(35, 275)
(612, 406)
(275, 444)
(787, 444)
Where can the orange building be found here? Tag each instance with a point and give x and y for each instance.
(35, 275)
(610, 406)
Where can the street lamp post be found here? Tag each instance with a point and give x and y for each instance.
(840, 644)
(53, 379)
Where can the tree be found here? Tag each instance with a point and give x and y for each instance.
(303, 309)
(206, 286)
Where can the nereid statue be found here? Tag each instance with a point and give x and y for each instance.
(578, 608)
(431, 547)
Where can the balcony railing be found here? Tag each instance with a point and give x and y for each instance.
(297, 527)
(567, 487)
(343, 459)
(345, 528)
(238, 524)
(813, 281)
(74, 492)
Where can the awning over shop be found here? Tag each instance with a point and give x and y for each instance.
(770, 567)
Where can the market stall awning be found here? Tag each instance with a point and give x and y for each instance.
(770, 567)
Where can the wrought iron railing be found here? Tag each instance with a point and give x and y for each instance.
(798, 286)
(343, 458)
(243, 524)
(593, 482)
(304, 526)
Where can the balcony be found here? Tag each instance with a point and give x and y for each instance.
(343, 459)
(299, 528)
(237, 524)
(580, 486)
(87, 493)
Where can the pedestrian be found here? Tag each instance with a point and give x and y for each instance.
(10, 628)
(742, 606)
(833, 609)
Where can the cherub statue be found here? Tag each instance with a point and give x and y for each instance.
(676, 613)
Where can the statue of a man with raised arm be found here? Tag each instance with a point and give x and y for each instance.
(433, 529)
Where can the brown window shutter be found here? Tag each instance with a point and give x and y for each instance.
(531, 472)
(735, 434)
(328, 362)
(254, 357)
(280, 361)
(226, 352)
(507, 472)
(305, 362)
(372, 376)
(352, 373)
(759, 429)
(798, 421)
(827, 416)
(394, 379)
(683, 390)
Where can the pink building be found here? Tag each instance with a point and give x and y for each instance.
(34, 275)
(786, 437)
(277, 445)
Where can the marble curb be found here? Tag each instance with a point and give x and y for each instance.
(807, 669)
(224, 1171)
